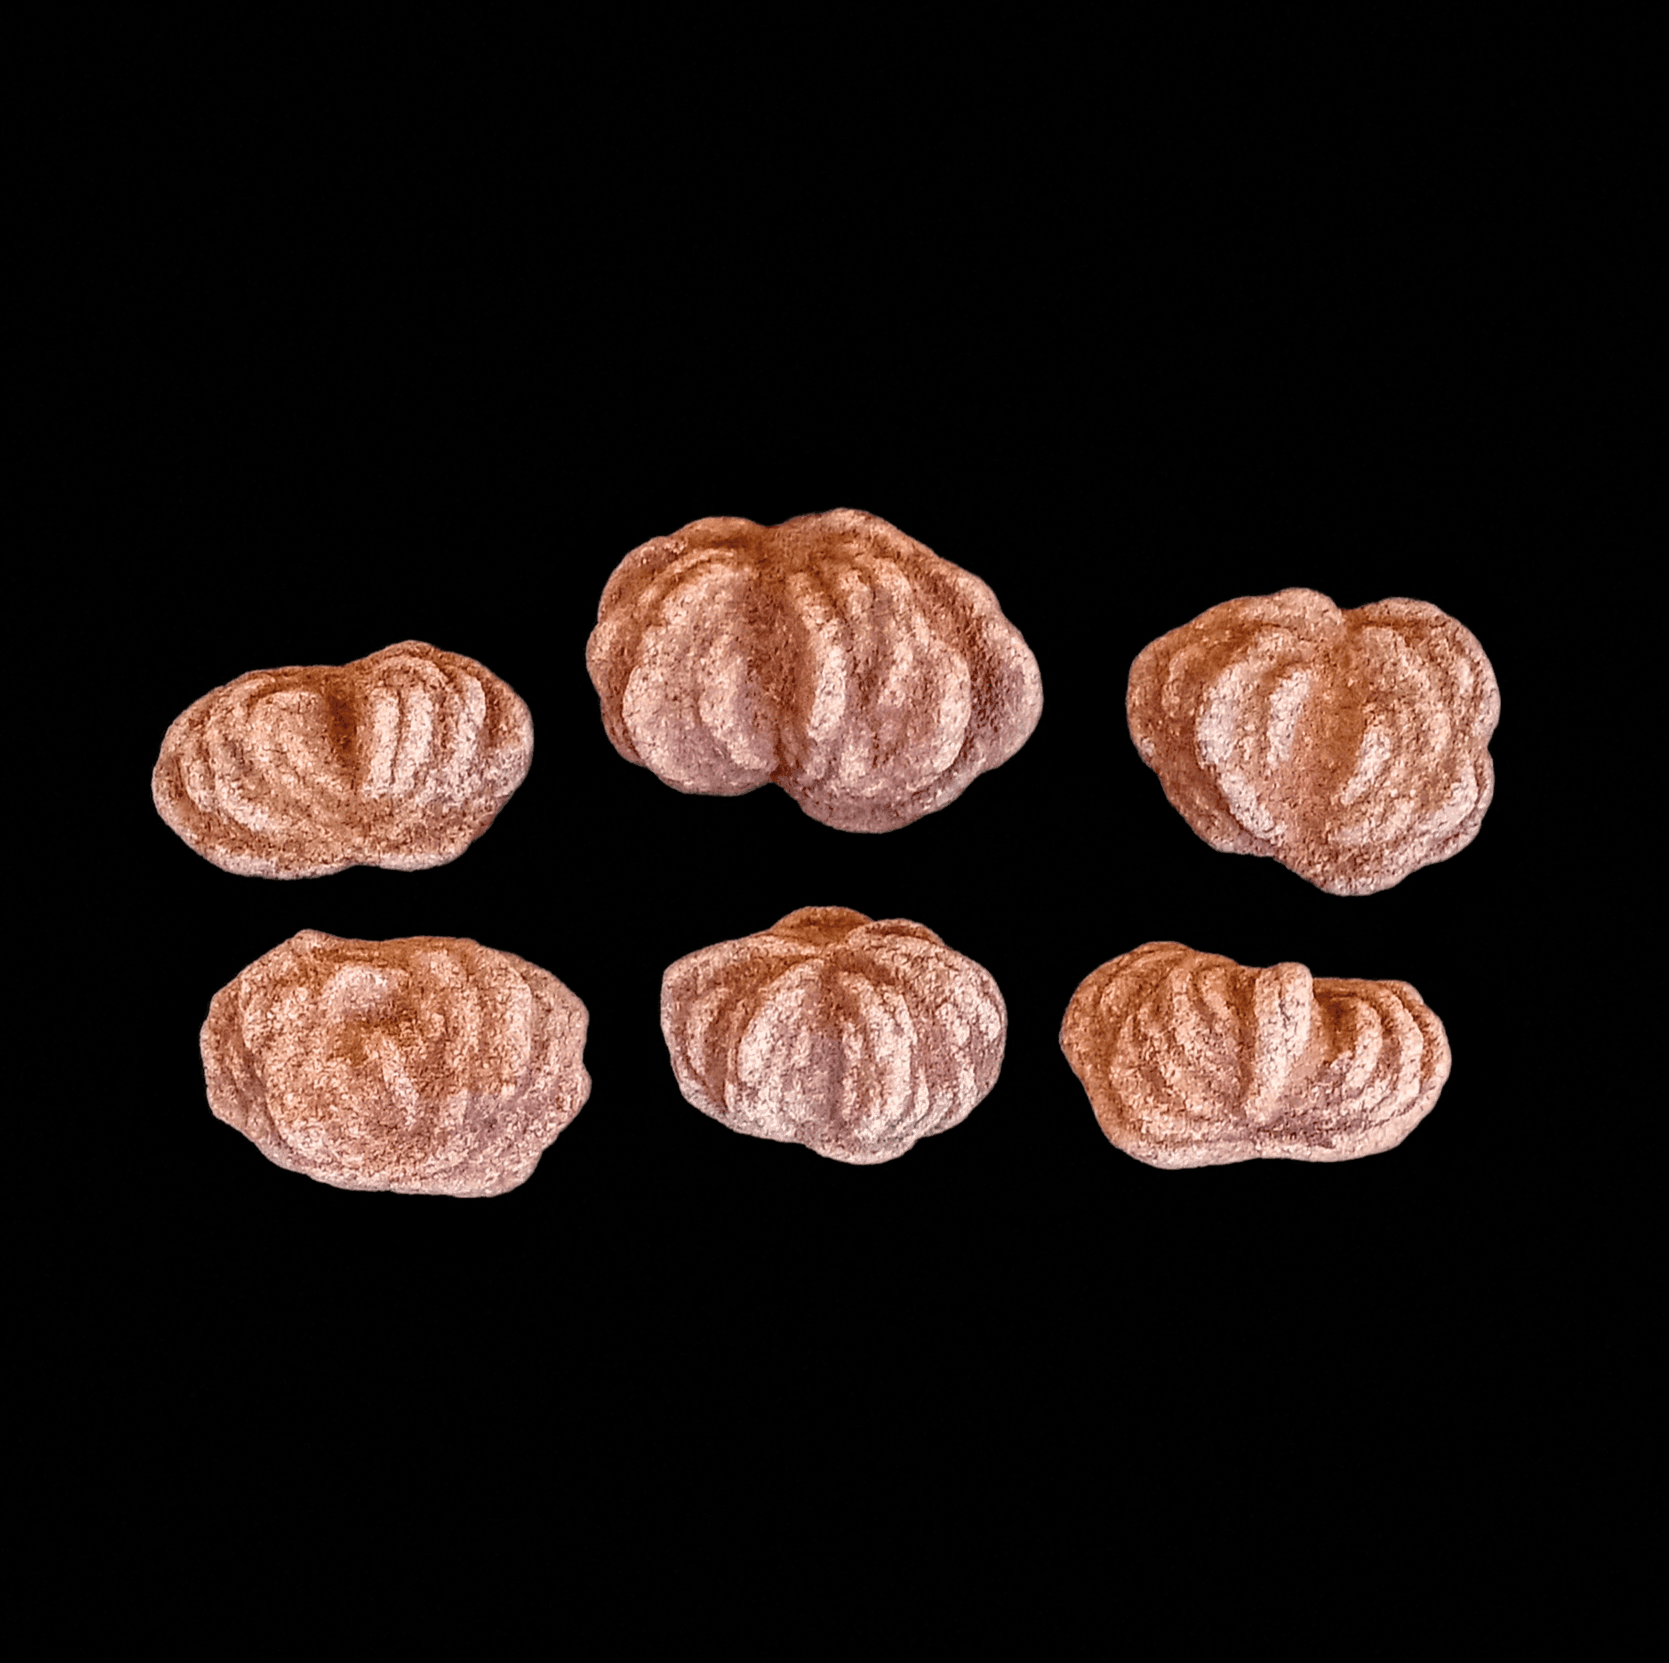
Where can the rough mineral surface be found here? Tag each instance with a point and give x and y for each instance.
(831, 655)
(1350, 746)
(401, 759)
(1190, 1059)
(851, 1037)
(427, 1066)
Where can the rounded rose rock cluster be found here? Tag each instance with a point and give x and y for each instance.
(852, 1037)
(1190, 1059)
(426, 1066)
(873, 681)
(1351, 746)
(831, 655)
(401, 759)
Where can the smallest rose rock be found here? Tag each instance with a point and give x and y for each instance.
(1190, 1059)
(1351, 746)
(427, 1066)
(850, 1036)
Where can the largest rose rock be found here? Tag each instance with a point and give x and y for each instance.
(428, 1066)
(852, 1037)
(400, 759)
(1351, 746)
(1190, 1059)
(831, 655)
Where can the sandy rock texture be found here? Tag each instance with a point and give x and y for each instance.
(401, 759)
(1190, 1059)
(831, 655)
(850, 1036)
(428, 1066)
(1351, 746)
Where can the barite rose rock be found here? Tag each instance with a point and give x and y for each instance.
(1190, 1059)
(830, 655)
(1351, 746)
(401, 759)
(850, 1036)
(427, 1066)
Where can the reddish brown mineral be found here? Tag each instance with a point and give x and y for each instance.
(401, 759)
(831, 655)
(427, 1066)
(1190, 1059)
(1350, 746)
(852, 1037)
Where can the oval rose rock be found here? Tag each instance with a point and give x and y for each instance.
(427, 1066)
(852, 1037)
(830, 655)
(1190, 1059)
(1351, 746)
(401, 759)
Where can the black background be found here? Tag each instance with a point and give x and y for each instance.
(356, 383)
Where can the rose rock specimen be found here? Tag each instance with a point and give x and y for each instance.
(401, 759)
(427, 1066)
(852, 1037)
(831, 654)
(1350, 746)
(1190, 1059)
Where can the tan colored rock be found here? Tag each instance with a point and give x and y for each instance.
(427, 1066)
(401, 759)
(852, 1037)
(831, 655)
(1190, 1059)
(1351, 746)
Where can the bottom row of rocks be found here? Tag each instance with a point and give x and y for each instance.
(440, 1067)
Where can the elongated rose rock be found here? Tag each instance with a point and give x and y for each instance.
(852, 1037)
(401, 759)
(1190, 1059)
(1351, 746)
(427, 1066)
(831, 655)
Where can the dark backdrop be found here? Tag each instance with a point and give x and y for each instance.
(352, 392)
